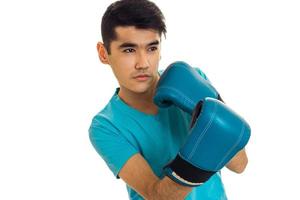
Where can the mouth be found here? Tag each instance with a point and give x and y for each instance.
(142, 77)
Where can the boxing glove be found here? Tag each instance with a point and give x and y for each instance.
(217, 133)
(182, 85)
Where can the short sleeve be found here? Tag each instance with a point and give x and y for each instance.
(110, 144)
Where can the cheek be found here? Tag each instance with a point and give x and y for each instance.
(155, 58)
(123, 71)
(154, 63)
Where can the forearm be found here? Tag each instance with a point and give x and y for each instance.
(239, 162)
(166, 189)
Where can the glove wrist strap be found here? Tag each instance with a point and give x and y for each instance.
(185, 173)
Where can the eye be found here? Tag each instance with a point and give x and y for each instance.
(128, 50)
(152, 48)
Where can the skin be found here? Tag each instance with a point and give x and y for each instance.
(137, 52)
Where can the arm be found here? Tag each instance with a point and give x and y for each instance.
(139, 176)
(239, 162)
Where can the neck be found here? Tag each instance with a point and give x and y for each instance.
(140, 101)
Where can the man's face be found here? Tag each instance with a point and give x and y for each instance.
(134, 58)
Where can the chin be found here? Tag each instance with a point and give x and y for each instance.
(141, 90)
(143, 87)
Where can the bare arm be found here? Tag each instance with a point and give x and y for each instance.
(139, 176)
(239, 162)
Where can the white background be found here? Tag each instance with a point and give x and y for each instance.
(52, 84)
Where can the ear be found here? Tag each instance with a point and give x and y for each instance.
(102, 53)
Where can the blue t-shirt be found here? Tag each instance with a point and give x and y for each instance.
(119, 131)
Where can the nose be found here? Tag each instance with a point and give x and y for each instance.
(142, 61)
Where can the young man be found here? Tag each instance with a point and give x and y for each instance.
(135, 137)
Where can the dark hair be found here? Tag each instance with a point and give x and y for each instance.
(141, 14)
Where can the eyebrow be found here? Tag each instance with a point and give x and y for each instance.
(129, 44)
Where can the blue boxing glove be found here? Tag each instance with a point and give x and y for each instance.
(182, 85)
(217, 133)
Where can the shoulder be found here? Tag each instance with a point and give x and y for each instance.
(108, 116)
(101, 120)
(103, 124)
